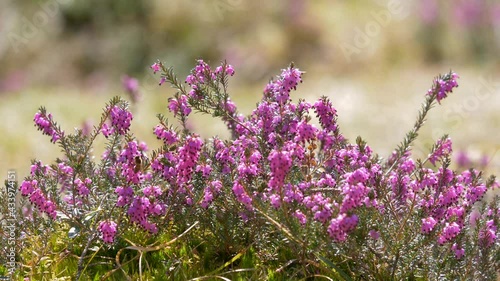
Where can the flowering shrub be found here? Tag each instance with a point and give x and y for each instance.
(284, 198)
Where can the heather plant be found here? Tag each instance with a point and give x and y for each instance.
(286, 197)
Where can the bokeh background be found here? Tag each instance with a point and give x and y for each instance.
(374, 59)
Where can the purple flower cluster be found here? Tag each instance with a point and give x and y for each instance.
(443, 85)
(120, 118)
(449, 232)
(488, 234)
(202, 77)
(340, 226)
(459, 251)
(82, 187)
(279, 90)
(31, 190)
(179, 106)
(210, 192)
(290, 141)
(278, 161)
(139, 207)
(444, 197)
(125, 195)
(144, 207)
(64, 174)
(167, 135)
(108, 231)
(45, 124)
(177, 167)
(442, 149)
(201, 74)
(127, 162)
(428, 225)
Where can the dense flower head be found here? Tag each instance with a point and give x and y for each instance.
(488, 234)
(442, 149)
(459, 251)
(168, 136)
(250, 164)
(443, 85)
(31, 189)
(27, 187)
(152, 190)
(356, 190)
(210, 192)
(120, 119)
(279, 90)
(280, 163)
(125, 195)
(108, 230)
(450, 231)
(200, 74)
(428, 225)
(179, 106)
(128, 159)
(141, 209)
(82, 187)
(241, 195)
(340, 226)
(45, 124)
(326, 114)
(188, 155)
(322, 207)
(475, 193)
(224, 155)
(305, 132)
(300, 216)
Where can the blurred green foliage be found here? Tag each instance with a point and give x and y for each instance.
(75, 40)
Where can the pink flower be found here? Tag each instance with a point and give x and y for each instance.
(339, 227)
(162, 80)
(459, 251)
(375, 235)
(228, 69)
(442, 150)
(300, 216)
(82, 187)
(156, 67)
(27, 187)
(131, 86)
(449, 232)
(428, 225)
(120, 119)
(179, 105)
(487, 235)
(443, 85)
(108, 231)
(44, 124)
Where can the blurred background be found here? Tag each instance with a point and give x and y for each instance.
(374, 59)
